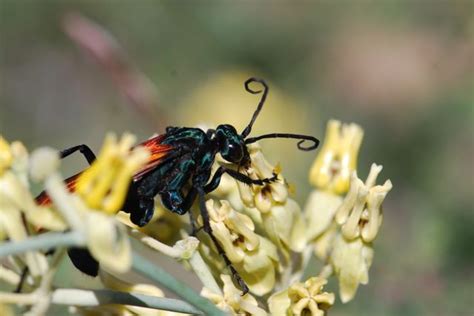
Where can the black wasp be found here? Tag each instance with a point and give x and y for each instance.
(179, 170)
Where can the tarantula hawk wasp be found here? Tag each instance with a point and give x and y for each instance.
(181, 160)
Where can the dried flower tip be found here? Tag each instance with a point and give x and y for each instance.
(186, 247)
(43, 162)
(338, 157)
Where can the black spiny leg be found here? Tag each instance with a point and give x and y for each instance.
(84, 149)
(81, 257)
(24, 273)
(216, 179)
(144, 213)
(186, 207)
(207, 228)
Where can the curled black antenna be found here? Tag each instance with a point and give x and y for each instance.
(302, 138)
(248, 129)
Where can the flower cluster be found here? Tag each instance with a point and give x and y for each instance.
(343, 212)
(264, 233)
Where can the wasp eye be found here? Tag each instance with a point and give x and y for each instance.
(232, 152)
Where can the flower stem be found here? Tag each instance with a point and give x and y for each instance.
(100, 297)
(92, 298)
(44, 241)
(203, 273)
(162, 278)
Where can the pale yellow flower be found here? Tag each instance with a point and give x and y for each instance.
(342, 228)
(337, 158)
(330, 175)
(17, 202)
(279, 215)
(15, 195)
(360, 214)
(254, 256)
(262, 197)
(350, 261)
(104, 185)
(319, 212)
(359, 217)
(232, 301)
(302, 299)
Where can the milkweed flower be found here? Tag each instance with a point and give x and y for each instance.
(302, 299)
(344, 213)
(254, 256)
(100, 191)
(330, 175)
(104, 185)
(232, 301)
(337, 158)
(17, 204)
(359, 218)
(279, 215)
(260, 228)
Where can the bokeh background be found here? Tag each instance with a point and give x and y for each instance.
(402, 70)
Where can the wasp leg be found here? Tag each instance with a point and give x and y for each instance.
(144, 213)
(84, 149)
(186, 207)
(83, 261)
(207, 228)
(216, 179)
(81, 258)
(24, 273)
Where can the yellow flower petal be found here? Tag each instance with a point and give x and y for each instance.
(104, 185)
(360, 212)
(279, 303)
(337, 158)
(302, 299)
(351, 261)
(14, 193)
(232, 300)
(6, 156)
(319, 212)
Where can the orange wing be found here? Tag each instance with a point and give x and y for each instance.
(158, 153)
(44, 199)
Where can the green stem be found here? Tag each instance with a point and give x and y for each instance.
(164, 279)
(100, 297)
(44, 241)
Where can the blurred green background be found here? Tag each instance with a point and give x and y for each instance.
(404, 71)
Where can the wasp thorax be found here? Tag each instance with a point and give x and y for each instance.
(230, 143)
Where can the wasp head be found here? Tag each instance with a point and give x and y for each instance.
(231, 145)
